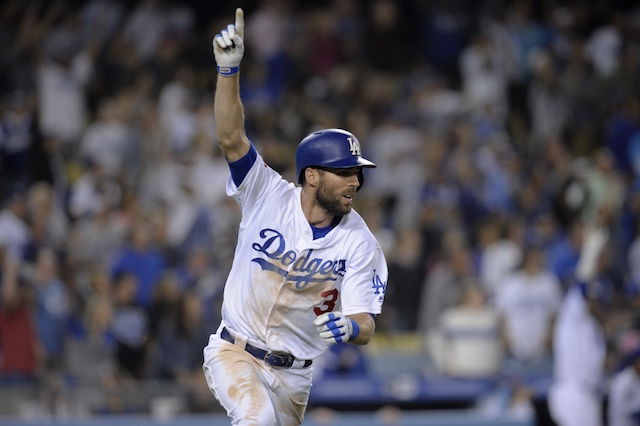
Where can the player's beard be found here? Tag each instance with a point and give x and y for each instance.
(330, 201)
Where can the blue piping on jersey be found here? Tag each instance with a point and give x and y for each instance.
(241, 167)
(321, 232)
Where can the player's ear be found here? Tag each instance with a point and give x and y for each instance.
(311, 176)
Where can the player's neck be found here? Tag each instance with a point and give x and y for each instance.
(316, 215)
(321, 222)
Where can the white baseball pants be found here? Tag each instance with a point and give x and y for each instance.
(252, 392)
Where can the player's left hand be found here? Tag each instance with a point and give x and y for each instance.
(228, 46)
(335, 327)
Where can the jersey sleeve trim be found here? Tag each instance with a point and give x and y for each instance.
(241, 167)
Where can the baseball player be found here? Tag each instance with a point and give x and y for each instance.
(579, 349)
(307, 272)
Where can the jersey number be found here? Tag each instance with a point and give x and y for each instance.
(331, 296)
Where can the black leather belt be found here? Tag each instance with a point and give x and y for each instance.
(279, 360)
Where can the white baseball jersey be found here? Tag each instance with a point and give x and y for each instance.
(282, 279)
(579, 355)
(579, 344)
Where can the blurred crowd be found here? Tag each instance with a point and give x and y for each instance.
(503, 130)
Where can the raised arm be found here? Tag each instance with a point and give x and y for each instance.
(228, 49)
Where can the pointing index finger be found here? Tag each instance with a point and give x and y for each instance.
(240, 22)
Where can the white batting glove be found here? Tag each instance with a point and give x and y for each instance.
(335, 327)
(228, 46)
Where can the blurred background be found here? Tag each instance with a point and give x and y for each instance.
(502, 129)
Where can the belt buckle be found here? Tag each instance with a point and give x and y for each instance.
(279, 360)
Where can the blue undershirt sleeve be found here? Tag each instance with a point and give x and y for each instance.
(241, 167)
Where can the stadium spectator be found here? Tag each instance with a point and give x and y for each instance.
(466, 342)
(407, 272)
(499, 252)
(140, 259)
(46, 215)
(18, 134)
(104, 140)
(63, 77)
(547, 105)
(443, 284)
(130, 328)
(90, 347)
(15, 233)
(527, 302)
(484, 81)
(92, 192)
(21, 354)
(52, 308)
(181, 337)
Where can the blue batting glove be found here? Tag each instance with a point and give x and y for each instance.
(335, 327)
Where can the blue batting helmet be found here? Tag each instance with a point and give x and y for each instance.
(333, 148)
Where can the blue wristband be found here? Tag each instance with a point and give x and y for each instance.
(355, 330)
(227, 71)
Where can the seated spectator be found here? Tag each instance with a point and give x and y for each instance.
(466, 342)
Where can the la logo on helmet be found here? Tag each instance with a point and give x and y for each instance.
(354, 146)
